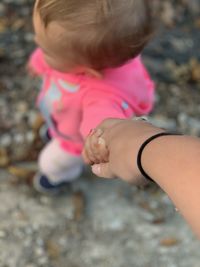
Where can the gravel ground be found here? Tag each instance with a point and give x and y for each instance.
(95, 222)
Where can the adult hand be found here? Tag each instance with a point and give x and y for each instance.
(172, 161)
(114, 146)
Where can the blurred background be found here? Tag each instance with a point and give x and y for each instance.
(95, 222)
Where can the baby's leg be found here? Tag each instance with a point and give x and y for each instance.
(59, 165)
(56, 168)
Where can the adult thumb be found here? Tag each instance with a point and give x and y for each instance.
(102, 170)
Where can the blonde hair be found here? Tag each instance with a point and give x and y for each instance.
(101, 33)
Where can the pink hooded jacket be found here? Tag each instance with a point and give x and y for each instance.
(73, 104)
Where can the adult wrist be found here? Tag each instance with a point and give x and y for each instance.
(132, 149)
(140, 155)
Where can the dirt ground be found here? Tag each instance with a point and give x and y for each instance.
(95, 222)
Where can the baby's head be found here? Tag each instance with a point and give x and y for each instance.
(92, 34)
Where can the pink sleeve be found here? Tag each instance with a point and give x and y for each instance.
(96, 109)
(37, 62)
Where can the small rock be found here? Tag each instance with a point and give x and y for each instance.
(2, 8)
(32, 117)
(38, 122)
(192, 5)
(22, 107)
(30, 265)
(4, 158)
(197, 23)
(168, 14)
(45, 200)
(43, 261)
(40, 242)
(21, 152)
(79, 205)
(53, 249)
(169, 242)
(29, 37)
(5, 140)
(21, 215)
(159, 220)
(2, 234)
(39, 251)
(3, 25)
(19, 138)
(20, 172)
(30, 137)
(195, 70)
(18, 24)
(183, 121)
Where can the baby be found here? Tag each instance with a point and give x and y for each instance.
(88, 57)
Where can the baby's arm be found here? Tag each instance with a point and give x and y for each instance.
(96, 108)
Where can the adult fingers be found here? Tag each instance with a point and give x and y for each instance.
(103, 170)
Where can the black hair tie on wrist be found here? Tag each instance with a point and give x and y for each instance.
(139, 157)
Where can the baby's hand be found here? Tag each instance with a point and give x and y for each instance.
(95, 150)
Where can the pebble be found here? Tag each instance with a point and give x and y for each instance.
(182, 45)
(32, 117)
(189, 124)
(30, 137)
(30, 265)
(19, 233)
(40, 242)
(2, 234)
(195, 70)
(39, 251)
(36, 227)
(4, 157)
(18, 117)
(29, 37)
(42, 261)
(169, 242)
(5, 140)
(29, 230)
(2, 8)
(183, 120)
(22, 107)
(192, 5)
(194, 126)
(45, 200)
(19, 152)
(168, 13)
(28, 242)
(19, 138)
